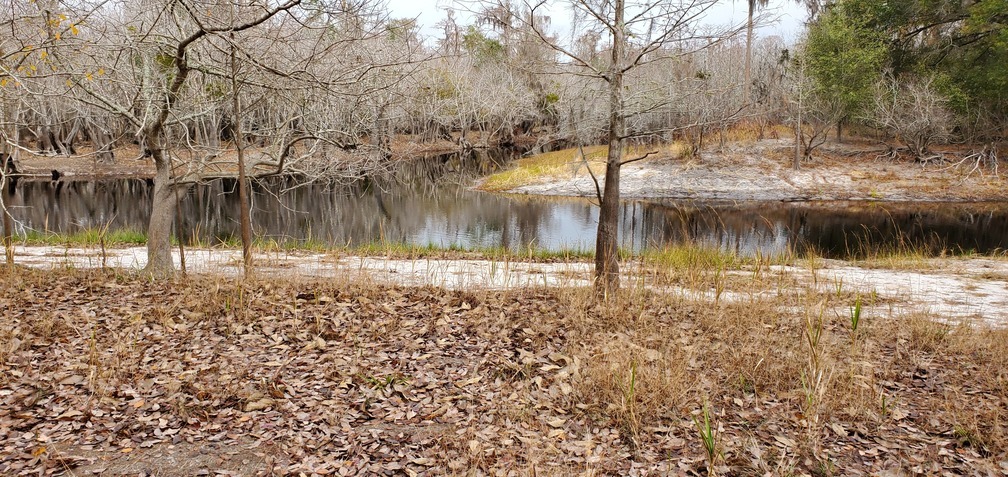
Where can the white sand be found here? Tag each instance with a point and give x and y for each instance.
(968, 288)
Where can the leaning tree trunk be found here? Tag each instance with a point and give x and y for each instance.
(606, 239)
(159, 253)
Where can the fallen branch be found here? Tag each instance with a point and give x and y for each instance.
(986, 158)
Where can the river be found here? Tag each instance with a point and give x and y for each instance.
(430, 201)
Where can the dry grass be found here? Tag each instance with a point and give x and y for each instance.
(545, 166)
(752, 131)
(568, 162)
(541, 381)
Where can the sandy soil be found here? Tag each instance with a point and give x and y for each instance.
(973, 289)
(762, 171)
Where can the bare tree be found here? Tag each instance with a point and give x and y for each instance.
(914, 112)
(769, 96)
(29, 28)
(638, 33)
(814, 113)
(278, 84)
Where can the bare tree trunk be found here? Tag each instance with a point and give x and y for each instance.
(748, 54)
(797, 137)
(159, 256)
(8, 236)
(798, 126)
(7, 153)
(103, 143)
(243, 199)
(45, 141)
(8, 223)
(606, 240)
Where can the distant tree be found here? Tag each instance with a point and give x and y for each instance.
(844, 55)
(961, 42)
(753, 6)
(814, 110)
(915, 112)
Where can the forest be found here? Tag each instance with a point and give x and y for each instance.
(333, 90)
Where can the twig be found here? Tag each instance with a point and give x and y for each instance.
(598, 189)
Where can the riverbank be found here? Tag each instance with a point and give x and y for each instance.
(762, 170)
(344, 364)
(744, 170)
(961, 288)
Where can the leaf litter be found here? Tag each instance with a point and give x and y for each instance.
(106, 374)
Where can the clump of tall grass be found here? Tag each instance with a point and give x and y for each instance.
(690, 256)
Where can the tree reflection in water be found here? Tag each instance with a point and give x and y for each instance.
(429, 201)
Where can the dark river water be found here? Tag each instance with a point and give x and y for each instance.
(428, 201)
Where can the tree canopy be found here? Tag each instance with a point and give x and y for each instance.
(960, 47)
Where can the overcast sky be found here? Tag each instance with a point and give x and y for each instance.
(785, 17)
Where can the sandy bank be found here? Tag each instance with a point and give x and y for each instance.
(761, 170)
(950, 288)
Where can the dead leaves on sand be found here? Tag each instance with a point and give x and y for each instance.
(111, 376)
(329, 381)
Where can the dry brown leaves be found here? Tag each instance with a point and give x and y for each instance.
(111, 375)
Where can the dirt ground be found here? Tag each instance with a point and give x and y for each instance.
(762, 170)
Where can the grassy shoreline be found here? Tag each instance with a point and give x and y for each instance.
(895, 256)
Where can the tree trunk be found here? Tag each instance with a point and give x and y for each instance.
(8, 224)
(159, 253)
(103, 143)
(748, 54)
(798, 136)
(606, 240)
(9, 167)
(245, 214)
(8, 235)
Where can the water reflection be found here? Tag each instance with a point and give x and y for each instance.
(427, 202)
